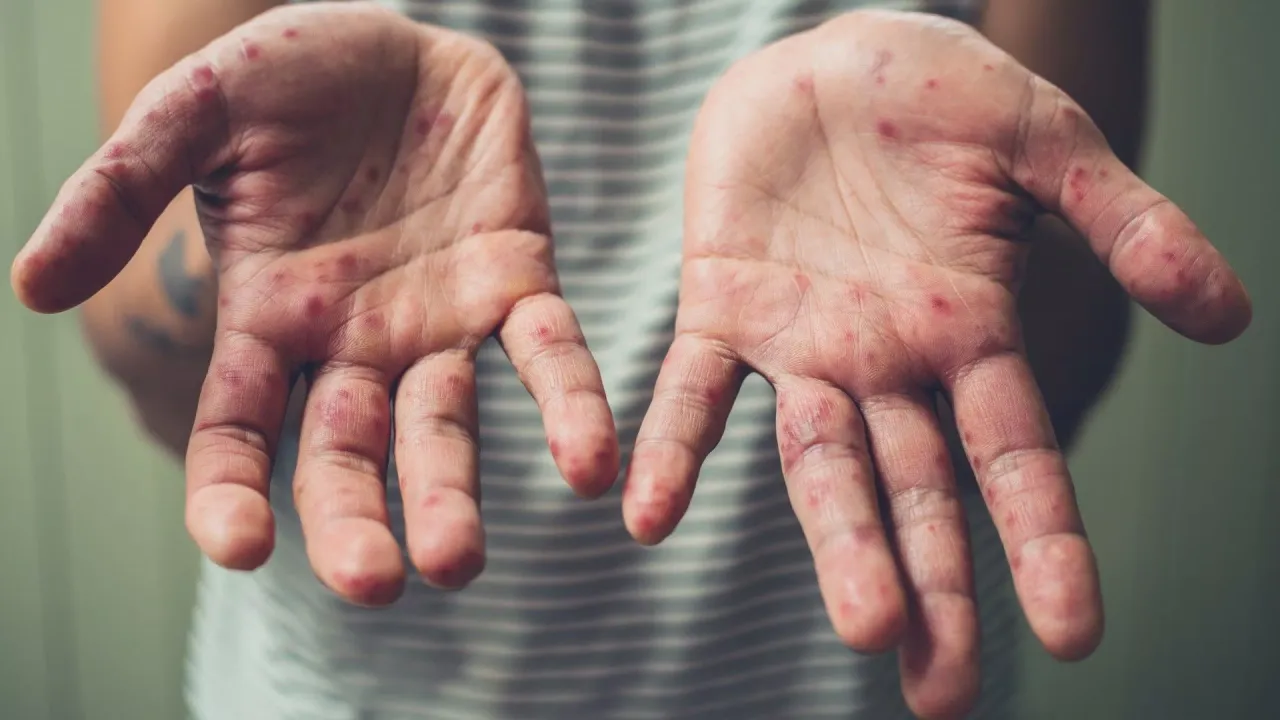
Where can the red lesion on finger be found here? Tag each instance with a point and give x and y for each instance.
(373, 321)
(976, 463)
(114, 151)
(289, 33)
(803, 83)
(803, 283)
(348, 263)
(931, 84)
(988, 67)
(940, 305)
(372, 174)
(1078, 184)
(542, 334)
(252, 51)
(313, 306)
(887, 130)
(477, 228)
(205, 83)
(351, 206)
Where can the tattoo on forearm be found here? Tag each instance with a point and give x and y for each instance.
(159, 340)
(184, 291)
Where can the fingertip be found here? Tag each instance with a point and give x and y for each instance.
(359, 560)
(1057, 581)
(939, 657)
(589, 458)
(653, 505)
(232, 525)
(446, 541)
(867, 606)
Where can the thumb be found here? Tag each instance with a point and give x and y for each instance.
(1151, 247)
(169, 139)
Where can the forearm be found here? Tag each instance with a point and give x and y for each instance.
(152, 327)
(1075, 317)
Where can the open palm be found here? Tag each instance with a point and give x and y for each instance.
(375, 210)
(857, 203)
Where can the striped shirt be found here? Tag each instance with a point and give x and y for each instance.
(572, 620)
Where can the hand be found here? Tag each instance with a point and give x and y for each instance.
(856, 207)
(375, 210)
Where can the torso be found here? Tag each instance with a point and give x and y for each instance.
(572, 620)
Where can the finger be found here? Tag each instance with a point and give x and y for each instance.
(939, 655)
(1006, 431)
(545, 344)
(437, 459)
(338, 485)
(1151, 247)
(691, 401)
(233, 441)
(167, 141)
(831, 483)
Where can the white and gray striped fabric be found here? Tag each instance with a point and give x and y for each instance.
(572, 620)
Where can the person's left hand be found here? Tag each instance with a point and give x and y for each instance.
(856, 206)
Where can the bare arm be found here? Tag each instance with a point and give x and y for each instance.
(152, 327)
(1076, 317)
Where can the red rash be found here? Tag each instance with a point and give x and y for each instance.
(351, 206)
(988, 67)
(931, 84)
(372, 174)
(373, 321)
(542, 333)
(114, 151)
(803, 282)
(204, 81)
(1077, 182)
(940, 305)
(347, 262)
(252, 52)
(804, 84)
(477, 228)
(314, 306)
(289, 33)
(887, 130)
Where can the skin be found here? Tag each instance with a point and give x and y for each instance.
(878, 252)
(867, 255)
(372, 251)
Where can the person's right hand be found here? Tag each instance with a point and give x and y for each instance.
(375, 209)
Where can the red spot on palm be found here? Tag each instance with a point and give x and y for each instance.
(887, 130)
(477, 228)
(940, 305)
(931, 84)
(988, 67)
(803, 83)
(313, 306)
(803, 282)
(114, 151)
(347, 262)
(373, 322)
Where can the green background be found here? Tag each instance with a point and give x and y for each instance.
(1176, 472)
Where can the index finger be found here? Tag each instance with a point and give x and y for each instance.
(1151, 247)
(169, 139)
